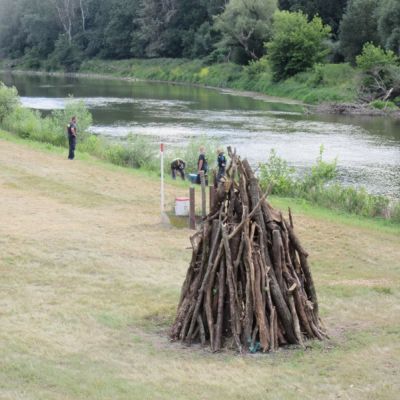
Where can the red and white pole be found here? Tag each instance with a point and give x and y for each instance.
(162, 176)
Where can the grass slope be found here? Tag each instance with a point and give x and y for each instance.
(90, 281)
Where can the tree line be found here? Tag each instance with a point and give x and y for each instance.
(65, 32)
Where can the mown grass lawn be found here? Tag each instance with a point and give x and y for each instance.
(90, 279)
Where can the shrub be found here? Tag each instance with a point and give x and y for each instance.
(29, 124)
(375, 57)
(296, 44)
(358, 26)
(8, 100)
(380, 73)
(72, 108)
(383, 105)
(66, 55)
(277, 173)
(316, 185)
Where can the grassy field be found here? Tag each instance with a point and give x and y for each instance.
(90, 279)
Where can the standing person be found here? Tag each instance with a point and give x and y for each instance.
(202, 165)
(71, 127)
(178, 167)
(221, 165)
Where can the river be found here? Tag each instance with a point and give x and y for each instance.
(367, 148)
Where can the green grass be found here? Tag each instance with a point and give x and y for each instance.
(304, 207)
(88, 294)
(326, 83)
(299, 205)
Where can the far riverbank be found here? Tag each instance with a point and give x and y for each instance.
(333, 91)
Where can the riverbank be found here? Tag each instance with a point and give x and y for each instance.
(91, 279)
(329, 88)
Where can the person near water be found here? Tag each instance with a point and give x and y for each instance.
(202, 165)
(221, 160)
(178, 167)
(71, 127)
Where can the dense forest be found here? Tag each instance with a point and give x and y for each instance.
(217, 29)
(291, 36)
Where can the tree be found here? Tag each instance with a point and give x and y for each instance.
(12, 37)
(119, 29)
(380, 73)
(296, 44)
(41, 27)
(246, 24)
(66, 55)
(65, 13)
(389, 24)
(359, 26)
(330, 11)
(9, 100)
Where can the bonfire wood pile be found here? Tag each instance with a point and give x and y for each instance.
(249, 283)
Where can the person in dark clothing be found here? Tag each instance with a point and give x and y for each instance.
(178, 167)
(221, 165)
(71, 127)
(202, 165)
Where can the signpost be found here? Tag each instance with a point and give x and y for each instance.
(162, 179)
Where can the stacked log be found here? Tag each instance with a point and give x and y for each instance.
(249, 283)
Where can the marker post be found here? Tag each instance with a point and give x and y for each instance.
(162, 177)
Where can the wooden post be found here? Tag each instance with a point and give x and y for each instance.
(162, 202)
(203, 194)
(192, 209)
(212, 197)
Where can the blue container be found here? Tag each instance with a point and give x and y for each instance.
(192, 178)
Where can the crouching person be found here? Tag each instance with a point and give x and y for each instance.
(178, 167)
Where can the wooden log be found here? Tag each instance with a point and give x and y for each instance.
(277, 257)
(213, 195)
(299, 303)
(201, 330)
(272, 334)
(296, 322)
(232, 294)
(214, 245)
(221, 300)
(192, 208)
(309, 286)
(249, 267)
(192, 317)
(209, 278)
(281, 306)
(203, 194)
(294, 239)
(259, 306)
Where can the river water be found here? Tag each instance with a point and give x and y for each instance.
(367, 148)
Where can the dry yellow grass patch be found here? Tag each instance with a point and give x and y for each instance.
(89, 281)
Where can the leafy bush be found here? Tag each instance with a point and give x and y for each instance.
(277, 173)
(359, 25)
(380, 73)
(383, 105)
(317, 186)
(66, 55)
(244, 27)
(29, 124)
(296, 44)
(72, 108)
(320, 173)
(8, 100)
(375, 57)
